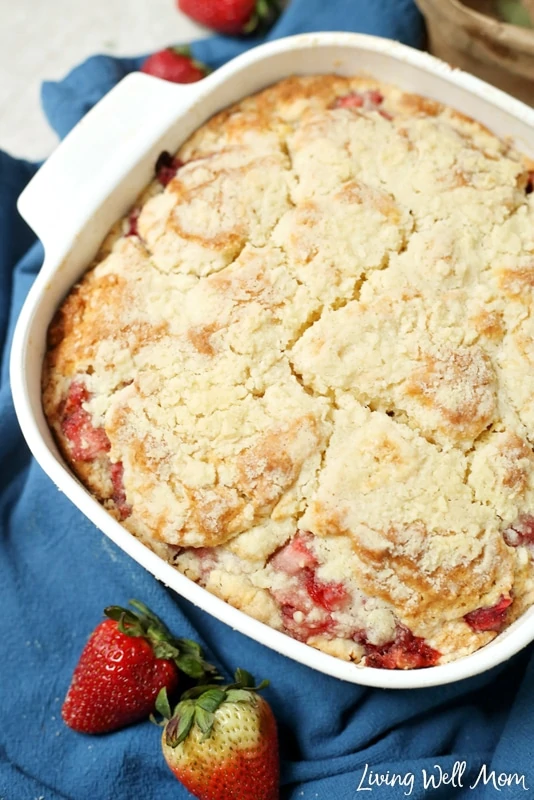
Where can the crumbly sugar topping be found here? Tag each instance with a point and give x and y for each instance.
(303, 370)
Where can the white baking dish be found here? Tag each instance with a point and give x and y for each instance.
(92, 179)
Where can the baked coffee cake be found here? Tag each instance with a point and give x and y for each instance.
(302, 370)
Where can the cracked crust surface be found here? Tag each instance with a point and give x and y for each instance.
(322, 323)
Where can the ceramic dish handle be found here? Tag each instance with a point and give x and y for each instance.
(98, 152)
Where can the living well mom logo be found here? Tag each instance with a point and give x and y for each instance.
(437, 777)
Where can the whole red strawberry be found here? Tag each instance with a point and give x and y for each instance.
(232, 17)
(128, 659)
(221, 742)
(176, 65)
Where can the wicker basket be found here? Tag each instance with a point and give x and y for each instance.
(498, 53)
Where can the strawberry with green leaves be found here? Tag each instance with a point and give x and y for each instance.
(129, 658)
(221, 741)
(232, 17)
(175, 64)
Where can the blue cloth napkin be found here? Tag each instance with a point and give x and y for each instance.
(58, 572)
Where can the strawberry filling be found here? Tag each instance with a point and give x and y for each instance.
(369, 100)
(352, 100)
(295, 556)
(300, 616)
(86, 442)
(119, 495)
(307, 602)
(166, 167)
(530, 182)
(406, 651)
(331, 596)
(301, 627)
(132, 223)
(489, 619)
(207, 560)
(521, 533)
(373, 97)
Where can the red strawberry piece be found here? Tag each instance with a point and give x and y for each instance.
(221, 742)
(489, 619)
(331, 595)
(369, 100)
(521, 533)
(530, 182)
(85, 441)
(301, 625)
(166, 167)
(77, 395)
(128, 659)
(232, 17)
(406, 651)
(307, 601)
(351, 100)
(300, 616)
(207, 559)
(132, 222)
(374, 97)
(296, 555)
(174, 64)
(119, 495)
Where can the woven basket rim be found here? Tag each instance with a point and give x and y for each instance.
(502, 32)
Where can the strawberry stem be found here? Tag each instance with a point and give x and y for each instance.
(185, 50)
(264, 15)
(143, 623)
(162, 705)
(198, 705)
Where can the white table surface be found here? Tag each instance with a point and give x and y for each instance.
(43, 39)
